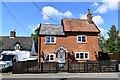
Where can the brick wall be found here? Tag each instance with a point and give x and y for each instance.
(70, 43)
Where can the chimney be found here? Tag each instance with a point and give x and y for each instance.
(12, 34)
(89, 16)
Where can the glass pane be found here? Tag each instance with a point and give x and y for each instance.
(52, 39)
(51, 57)
(79, 38)
(60, 56)
(81, 55)
(47, 39)
(17, 47)
(7, 57)
(86, 55)
(47, 58)
(83, 39)
(77, 55)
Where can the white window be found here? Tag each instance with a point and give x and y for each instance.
(50, 39)
(81, 39)
(17, 47)
(81, 55)
(50, 58)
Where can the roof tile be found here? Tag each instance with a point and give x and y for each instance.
(79, 25)
(51, 29)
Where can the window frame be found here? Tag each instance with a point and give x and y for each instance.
(50, 40)
(80, 55)
(49, 59)
(82, 39)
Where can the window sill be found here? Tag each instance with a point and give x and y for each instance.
(49, 61)
(82, 42)
(50, 43)
(81, 59)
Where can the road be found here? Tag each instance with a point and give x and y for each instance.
(63, 76)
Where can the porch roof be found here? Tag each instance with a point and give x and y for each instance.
(61, 49)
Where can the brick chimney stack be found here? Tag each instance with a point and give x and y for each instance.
(89, 16)
(12, 34)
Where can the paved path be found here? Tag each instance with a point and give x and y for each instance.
(61, 79)
(65, 75)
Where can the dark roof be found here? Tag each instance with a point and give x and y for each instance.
(51, 29)
(9, 43)
(81, 25)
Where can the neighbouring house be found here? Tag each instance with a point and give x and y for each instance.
(73, 39)
(19, 44)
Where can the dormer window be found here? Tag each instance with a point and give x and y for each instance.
(17, 47)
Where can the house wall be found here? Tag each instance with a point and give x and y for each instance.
(70, 43)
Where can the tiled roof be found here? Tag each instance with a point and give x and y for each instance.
(81, 25)
(51, 29)
(9, 43)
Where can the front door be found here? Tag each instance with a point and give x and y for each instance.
(61, 57)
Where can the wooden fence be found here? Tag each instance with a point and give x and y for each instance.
(108, 56)
(70, 67)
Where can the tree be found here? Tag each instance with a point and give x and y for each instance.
(1, 43)
(101, 39)
(36, 38)
(112, 44)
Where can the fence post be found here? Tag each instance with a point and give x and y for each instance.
(100, 64)
(13, 68)
(117, 65)
(41, 66)
(87, 65)
(56, 67)
(84, 66)
(68, 66)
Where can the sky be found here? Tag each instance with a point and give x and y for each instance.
(27, 17)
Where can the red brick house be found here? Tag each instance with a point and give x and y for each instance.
(73, 39)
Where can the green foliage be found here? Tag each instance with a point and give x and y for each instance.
(36, 38)
(101, 40)
(36, 35)
(1, 43)
(112, 44)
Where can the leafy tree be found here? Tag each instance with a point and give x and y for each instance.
(101, 39)
(1, 43)
(112, 44)
(36, 38)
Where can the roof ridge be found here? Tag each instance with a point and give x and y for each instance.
(51, 24)
(74, 18)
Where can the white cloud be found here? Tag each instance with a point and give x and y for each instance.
(67, 14)
(98, 20)
(47, 23)
(95, 4)
(52, 12)
(83, 16)
(33, 27)
(106, 6)
(103, 31)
